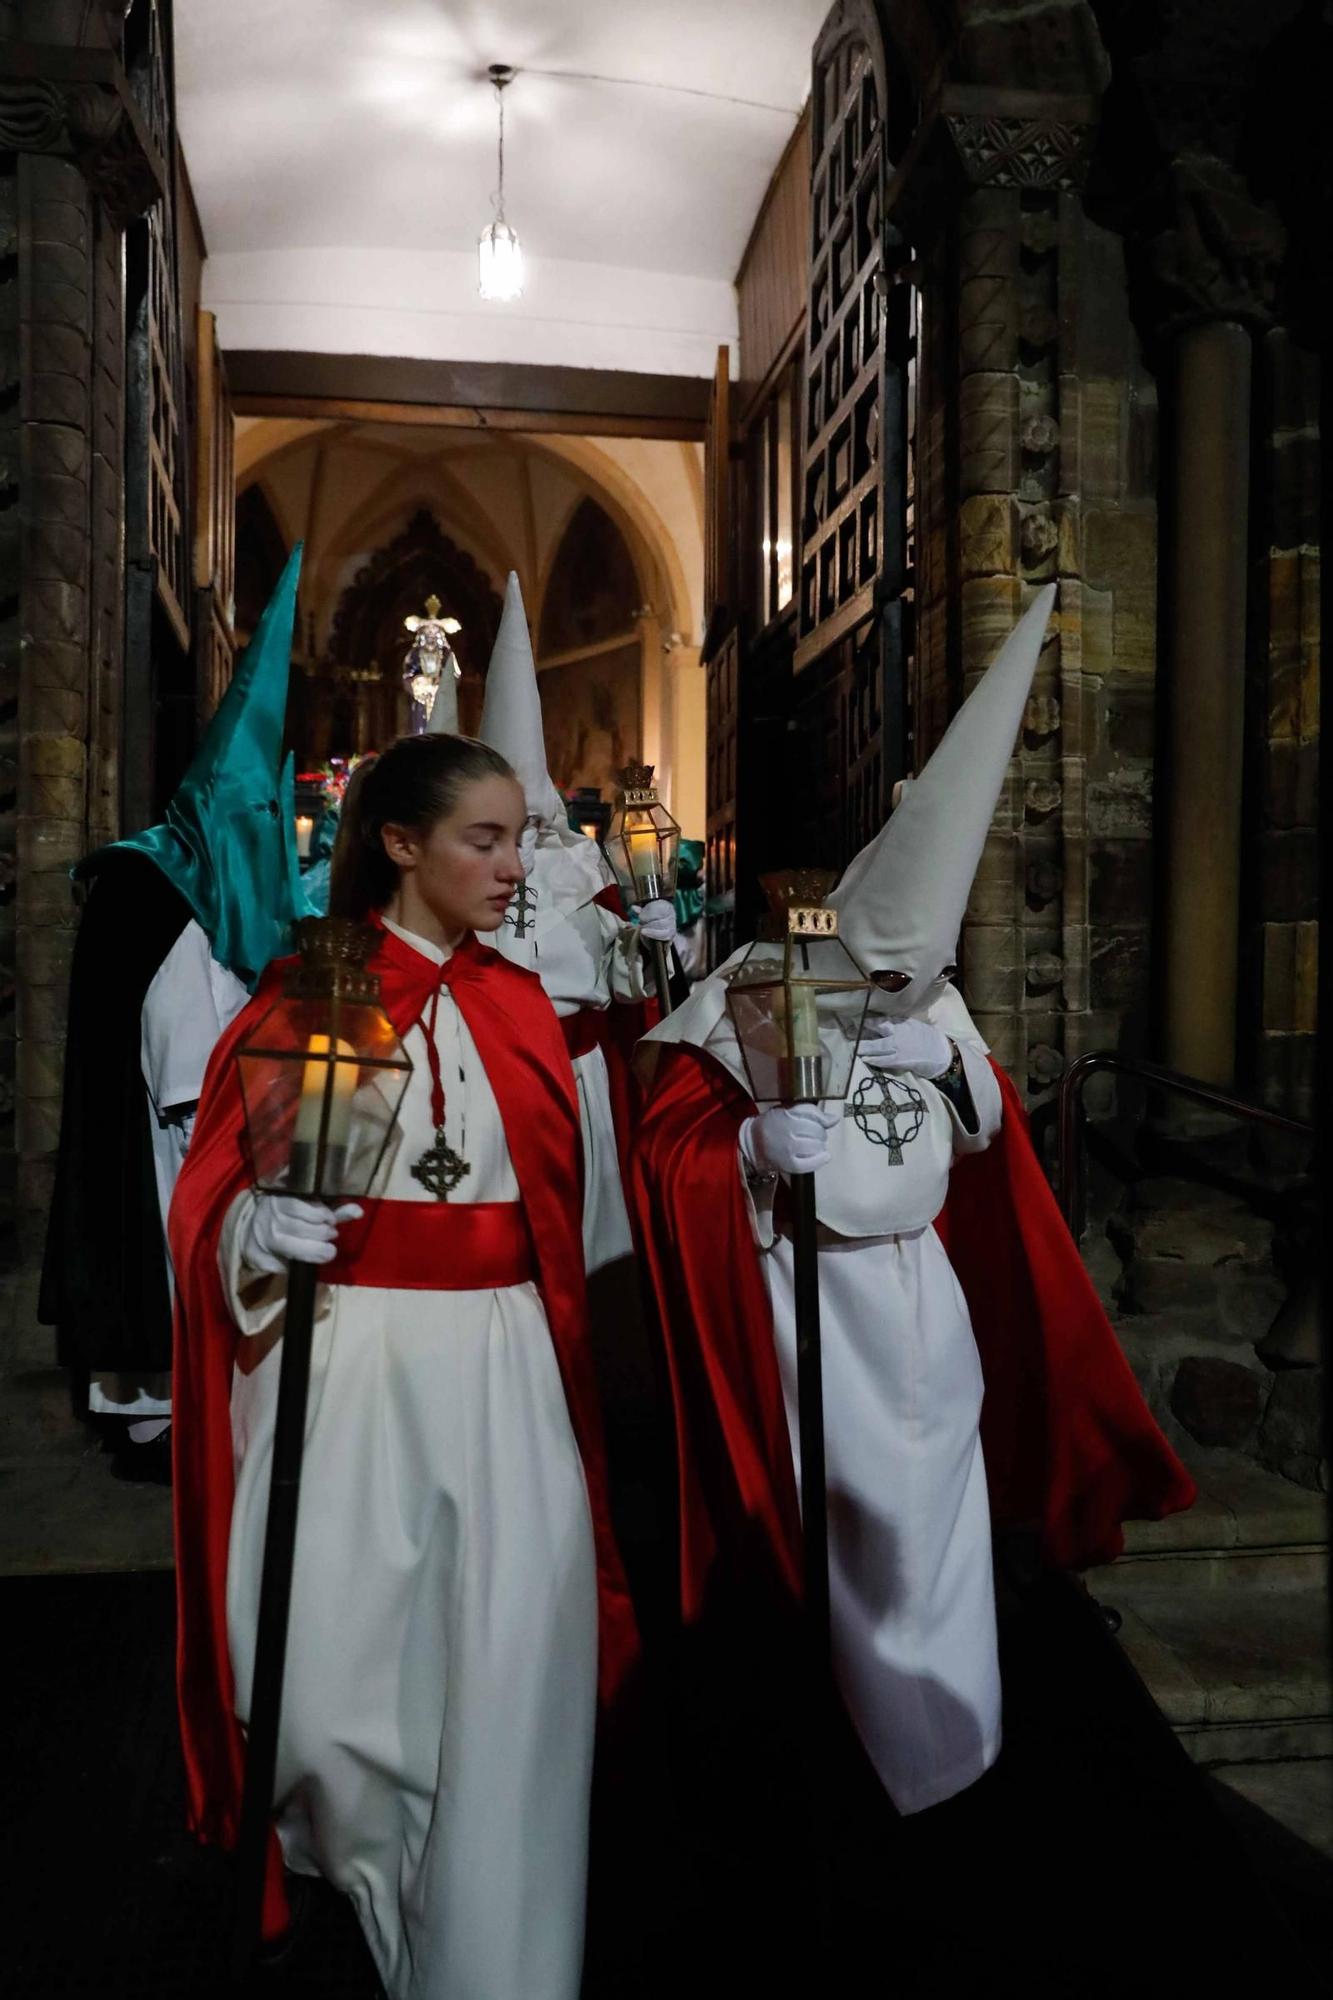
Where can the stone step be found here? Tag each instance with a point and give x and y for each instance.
(1296, 1792)
(1241, 1675)
(1240, 1507)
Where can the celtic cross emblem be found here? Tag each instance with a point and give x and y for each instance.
(516, 913)
(903, 1114)
(440, 1168)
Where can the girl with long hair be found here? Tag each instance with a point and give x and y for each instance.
(455, 1577)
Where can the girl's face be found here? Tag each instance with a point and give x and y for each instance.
(461, 873)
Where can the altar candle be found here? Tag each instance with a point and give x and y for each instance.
(305, 827)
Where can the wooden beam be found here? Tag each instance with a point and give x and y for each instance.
(369, 388)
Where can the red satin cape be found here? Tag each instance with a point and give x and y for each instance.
(520, 1044)
(1070, 1446)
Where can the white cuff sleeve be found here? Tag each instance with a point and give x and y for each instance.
(256, 1299)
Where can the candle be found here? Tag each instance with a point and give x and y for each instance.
(305, 827)
(797, 1011)
(643, 861)
(304, 1176)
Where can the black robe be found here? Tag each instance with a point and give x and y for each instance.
(104, 1279)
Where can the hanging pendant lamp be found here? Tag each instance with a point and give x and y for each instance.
(499, 254)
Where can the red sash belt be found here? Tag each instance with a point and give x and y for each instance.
(584, 1031)
(434, 1246)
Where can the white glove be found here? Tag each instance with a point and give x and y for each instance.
(286, 1229)
(788, 1139)
(657, 921)
(527, 844)
(909, 1045)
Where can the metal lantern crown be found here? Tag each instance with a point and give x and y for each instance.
(323, 1075)
(642, 841)
(798, 998)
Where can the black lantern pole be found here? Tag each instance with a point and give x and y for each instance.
(642, 845)
(797, 1002)
(321, 1080)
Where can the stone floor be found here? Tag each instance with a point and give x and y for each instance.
(1092, 1809)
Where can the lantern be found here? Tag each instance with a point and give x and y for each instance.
(324, 1072)
(642, 843)
(798, 998)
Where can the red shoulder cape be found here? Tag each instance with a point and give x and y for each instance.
(624, 1024)
(1069, 1443)
(520, 1043)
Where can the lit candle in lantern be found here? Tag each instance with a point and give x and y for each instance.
(644, 862)
(305, 827)
(796, 1009)
(305, 1138)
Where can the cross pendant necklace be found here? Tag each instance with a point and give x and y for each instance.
(440, 1168)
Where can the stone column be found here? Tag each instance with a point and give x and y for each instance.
(76, 163)
(1215, 267)
(1205, 697)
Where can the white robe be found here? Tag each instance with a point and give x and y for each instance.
(438, 1710)
(187, 1006)
(585, 956)
(911, 1591)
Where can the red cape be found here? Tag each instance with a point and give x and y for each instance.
(1070, 1446)
(520, 1043)
(624, 1025)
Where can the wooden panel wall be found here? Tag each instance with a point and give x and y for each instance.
(771, 282)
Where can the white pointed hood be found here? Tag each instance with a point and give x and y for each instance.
(902, 899)
(511, 714)
(443, 717)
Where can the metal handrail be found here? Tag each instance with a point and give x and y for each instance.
(1069, 1162)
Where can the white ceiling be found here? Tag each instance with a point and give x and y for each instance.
(343, 158)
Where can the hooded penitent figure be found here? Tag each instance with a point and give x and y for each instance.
(567, 925)
(944, 1269)
(179, 922)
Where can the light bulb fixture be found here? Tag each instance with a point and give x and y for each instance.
(499, 254)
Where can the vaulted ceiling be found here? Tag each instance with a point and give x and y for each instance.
(343, 158)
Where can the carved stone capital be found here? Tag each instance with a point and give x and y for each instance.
(121, 165)
(1220, 255)
(976, 137)
(77, 102)
(1046, 151)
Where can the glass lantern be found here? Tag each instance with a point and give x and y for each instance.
(642, 841)
(798, 998)
(323, 1075)
(499, 263)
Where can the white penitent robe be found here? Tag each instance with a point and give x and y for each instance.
(438, 1708)
(586, 958)
(911, 1589)
(190, 1001)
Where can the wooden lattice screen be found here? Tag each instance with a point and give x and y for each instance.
(841, 526)
(720, 859)
(214, 524)
(854, 609)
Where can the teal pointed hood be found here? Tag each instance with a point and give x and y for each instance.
(228, 841)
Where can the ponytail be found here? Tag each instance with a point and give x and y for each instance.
(414, 783)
